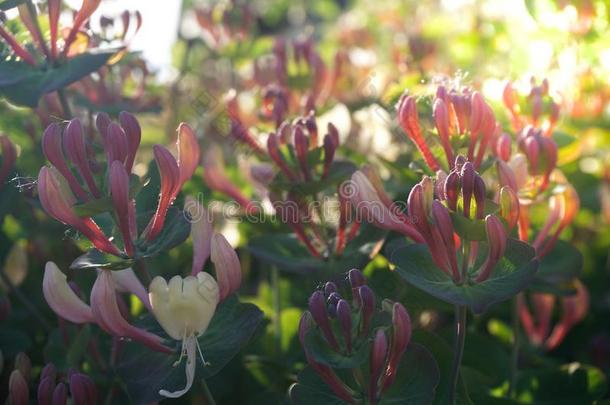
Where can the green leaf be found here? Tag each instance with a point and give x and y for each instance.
(443, 354)
(571, 384)
(8, 4)
(469, 229)
(175, 231)
(94, 207)
(415, 383)
(94, 259)
(512, 274)
(24, 84)
(324, 354)
(145, 372)
(558, 269)
(288, 253)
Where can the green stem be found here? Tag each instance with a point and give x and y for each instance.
(209, 399)
(514, 364)
(64, 104)
(458, 351)
(277, 309)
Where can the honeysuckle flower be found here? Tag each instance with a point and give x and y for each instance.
(454, 113)
(9, 157)
(536, 101)
(541, 154)
(104, 309)
(184, 308)
(18, 391)
(69, 152)
(537, 326)
(216, 179)
(53, 387)
(346, 328)
(54, 49)
(373, 206)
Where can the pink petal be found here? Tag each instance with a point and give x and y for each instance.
(226, 263)
(201, 233)
(61, 298)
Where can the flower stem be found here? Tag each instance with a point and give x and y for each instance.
(458, 351)
(277, 309)
(514, 364)
(209, 399)
(64, 103)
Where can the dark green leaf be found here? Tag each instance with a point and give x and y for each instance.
(558, 269)
(324, 354)
(24, 84)
(145, 372)
(94, 259)
(512, 274)
(8, 4)
(415, 383)
(175, 231)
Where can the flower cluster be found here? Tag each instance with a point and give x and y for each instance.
(62, 43)
(76, 178)
(183, 307)
(536, 108)
(461, 118)
(53, 388)
(349, 328)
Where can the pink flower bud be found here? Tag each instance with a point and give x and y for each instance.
(468, 178)
(52, 149)
(45, 391)
(201, 233)
(226, 264)
(108, 316)
(503, 147)
(301, 146)
(317, 307)
(102, 121)
(74, 144)
(188, 153)
(409, 121)
(379, 353)
(496, 239)
(531, 148)
(119, 191)
(170, 177)
(479, 196)
(330, 147)
(330, 288)
(367, 298)
(401, 336)
(509, 206)
(24, 365)
(452, 189)
(82, 389)
(116, 144)
(356, 278)
(444, 226)
(60, 394)
(344, 315)
(441, 119)
(49, 371)
(332, 301)
(18, 391)
(133, 132)
(506, 176)
(305, 325)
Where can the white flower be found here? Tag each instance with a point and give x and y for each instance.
(184, 308)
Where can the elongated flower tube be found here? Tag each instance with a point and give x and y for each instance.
(174, 173)
(563, 207)
(496, 239)
(57, 200)
(379, 352)
(206, 244)
(74, 145)
(401, 337)
(537, 325)
(61, 298)
(215, 177)
(119, 191)
(184, 308)
(409, 121)
(371, 208)
(133, 133)
(107, 315)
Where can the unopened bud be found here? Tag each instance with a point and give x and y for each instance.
(344, 316)
(317, 307)
(503, 147)
(24, 365)
(60, 394)
(379, 352)
(367, 298)
(18, 392)
(401, 336)
(509, 206)
(452, 189)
